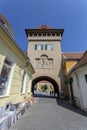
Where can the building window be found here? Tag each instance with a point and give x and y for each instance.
(5, 76)
(48, 47)
(23, 86)
(38, 47)
(3, 23)
(86, 78)
(30, 84)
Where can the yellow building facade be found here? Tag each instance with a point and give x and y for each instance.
(15, 69)
(68, 65)
(69, 60)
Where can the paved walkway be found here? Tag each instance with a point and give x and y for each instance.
(47, 114)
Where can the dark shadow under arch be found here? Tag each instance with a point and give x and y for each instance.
(51, 80)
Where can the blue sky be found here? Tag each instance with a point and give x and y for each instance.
(70, 15)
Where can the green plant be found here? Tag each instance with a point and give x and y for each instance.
(45, 87)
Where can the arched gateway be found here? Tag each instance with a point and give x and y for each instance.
(44, 51)
(45, 78)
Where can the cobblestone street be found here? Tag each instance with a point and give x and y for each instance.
(48, 114)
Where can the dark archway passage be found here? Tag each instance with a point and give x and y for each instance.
(51, 80)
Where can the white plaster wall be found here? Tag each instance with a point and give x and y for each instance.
(83, 85)
(76, 90)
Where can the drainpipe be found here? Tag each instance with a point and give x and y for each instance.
(71, 89)
(80, 90)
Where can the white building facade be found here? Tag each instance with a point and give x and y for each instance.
(79, 83)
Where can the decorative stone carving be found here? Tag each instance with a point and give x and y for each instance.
(44, 62)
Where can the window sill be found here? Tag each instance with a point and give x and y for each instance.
(22, 93)
(4, 96)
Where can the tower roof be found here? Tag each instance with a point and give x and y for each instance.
(44, 29)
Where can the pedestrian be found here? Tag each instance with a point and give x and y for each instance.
(50, 92)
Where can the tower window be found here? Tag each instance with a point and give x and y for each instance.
(57, 34)
(48, 34)
(48, 47)
(39, 34)
(44, 34)
(35, 34)
(38, 47)
(30, 34)
(53, 34)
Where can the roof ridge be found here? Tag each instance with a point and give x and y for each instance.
(44, 26)
(72, 52)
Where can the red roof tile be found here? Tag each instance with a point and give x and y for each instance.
(44, 27)
(82, 61)
(73, 55)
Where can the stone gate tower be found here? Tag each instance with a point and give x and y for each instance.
(44, 51)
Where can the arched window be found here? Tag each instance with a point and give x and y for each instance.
(3, 23)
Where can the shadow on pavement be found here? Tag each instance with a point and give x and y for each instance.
(42, 96)
(67, 105)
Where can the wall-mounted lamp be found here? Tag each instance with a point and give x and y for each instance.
(27, 62)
